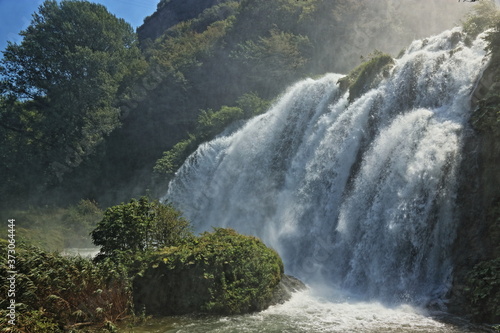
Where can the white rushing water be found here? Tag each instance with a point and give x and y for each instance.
(358, 196)
(314, 313)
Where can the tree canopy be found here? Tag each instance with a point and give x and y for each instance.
(138, 226)
(61, 86)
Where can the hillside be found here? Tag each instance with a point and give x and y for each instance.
(217, 55)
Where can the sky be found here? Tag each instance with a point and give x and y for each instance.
(15, 15)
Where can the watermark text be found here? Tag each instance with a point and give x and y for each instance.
(11, 272)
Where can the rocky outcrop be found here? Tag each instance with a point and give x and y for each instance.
(478, 233)
(366, 76)
(284, 290)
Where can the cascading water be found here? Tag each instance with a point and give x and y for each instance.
(360, 194)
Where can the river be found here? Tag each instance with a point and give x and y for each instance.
(317, 311)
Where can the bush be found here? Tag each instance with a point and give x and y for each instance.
(55, 292)
(484, 15)
(172, 159)
(210, 123)
(220, 272)
(140, 225)
(483, 289)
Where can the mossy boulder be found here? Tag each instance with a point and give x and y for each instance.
(367, 75)
(221, 272)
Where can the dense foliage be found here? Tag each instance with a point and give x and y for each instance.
(219, 272)
(55, 293)
(210, 123)
(141, 225)
(482, 17)
(147, 243)
(483, 291)
(59, 91)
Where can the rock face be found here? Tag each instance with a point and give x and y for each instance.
(284, 290)
(479, 200)
(170, 13)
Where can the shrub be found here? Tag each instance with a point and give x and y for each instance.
(55, 292)
(483, 289)
(210, 123)
(484, 15)
(140, 225)
(220, 272)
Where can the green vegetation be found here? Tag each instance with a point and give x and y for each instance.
(209, 125)
(483, 291)
(483, 17)
(59, 91)
(367, 75)
(55, 293)
(86, 113)
(220, 272)
(139, 226)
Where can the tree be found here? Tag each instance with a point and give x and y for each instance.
(140, 225)
(482, 17)
(74, 64)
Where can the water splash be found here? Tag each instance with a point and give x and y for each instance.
(360, 195)
(308, 312)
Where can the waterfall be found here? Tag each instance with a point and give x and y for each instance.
(358, 194)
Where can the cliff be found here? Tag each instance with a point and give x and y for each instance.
(478, 238)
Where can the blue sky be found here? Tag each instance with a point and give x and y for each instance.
(15, 15)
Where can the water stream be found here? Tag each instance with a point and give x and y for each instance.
(312, 312)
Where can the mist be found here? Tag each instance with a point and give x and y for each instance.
(388, 26)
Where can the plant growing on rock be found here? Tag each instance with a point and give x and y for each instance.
(221, 272)
(483, 289)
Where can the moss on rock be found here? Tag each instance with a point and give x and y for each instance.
(221, 272)
(367, 75)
